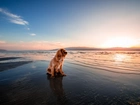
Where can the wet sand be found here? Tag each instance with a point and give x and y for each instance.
(9, 65)
(28, 84)
(8, 58)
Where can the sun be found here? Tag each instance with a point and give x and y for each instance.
(119, 42)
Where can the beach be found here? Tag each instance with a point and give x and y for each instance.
(93, 78)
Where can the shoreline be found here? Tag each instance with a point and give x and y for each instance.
(9, 65)
(8, 58)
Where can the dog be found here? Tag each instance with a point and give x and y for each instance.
(56, 63)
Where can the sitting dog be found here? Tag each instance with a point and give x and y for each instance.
(56, 63)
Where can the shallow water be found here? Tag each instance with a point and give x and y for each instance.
(93, 78)
(114, 61)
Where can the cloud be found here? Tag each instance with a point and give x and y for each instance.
(14, 18)
(33, 34)
(2, 42)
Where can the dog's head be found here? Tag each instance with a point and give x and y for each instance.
(60, 55)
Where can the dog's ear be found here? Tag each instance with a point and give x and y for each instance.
(62, 51)
(58, 55)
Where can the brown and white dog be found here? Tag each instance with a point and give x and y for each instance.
(56, 63)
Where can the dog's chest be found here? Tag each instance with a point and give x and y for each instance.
(58, 65)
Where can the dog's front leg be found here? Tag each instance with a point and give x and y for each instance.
(61, 71)
(52, 71)
(48, 70)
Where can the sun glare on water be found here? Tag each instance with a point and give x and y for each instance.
(119, 42)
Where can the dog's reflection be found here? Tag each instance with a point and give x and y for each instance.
(56, 86)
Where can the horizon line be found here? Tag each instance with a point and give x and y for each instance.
(80, 48)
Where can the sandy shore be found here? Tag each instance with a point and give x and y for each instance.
(26, 83)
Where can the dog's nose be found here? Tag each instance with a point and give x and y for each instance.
(65, 52)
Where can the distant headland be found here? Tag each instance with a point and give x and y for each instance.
(101, 49)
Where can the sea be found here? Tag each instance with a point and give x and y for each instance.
(93, 78)
(113, 61)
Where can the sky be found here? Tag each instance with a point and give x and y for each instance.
(50, 24)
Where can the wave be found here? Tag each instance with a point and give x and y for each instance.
(113, 61)
(118, 62)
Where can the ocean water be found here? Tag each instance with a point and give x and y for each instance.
(119, 62)
(93, 78)
(114, 61)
